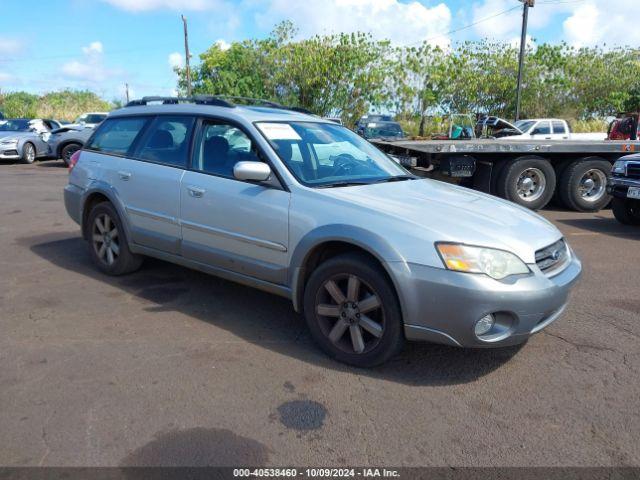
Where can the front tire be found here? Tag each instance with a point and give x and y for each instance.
(352, 311)
(528, 181)
(69, 150)
(28, 153)
(108, 243)
(583, 185)
(626, 211)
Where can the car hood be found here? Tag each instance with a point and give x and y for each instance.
(451, 213)
(14, 134)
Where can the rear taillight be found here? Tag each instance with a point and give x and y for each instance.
(74, 159)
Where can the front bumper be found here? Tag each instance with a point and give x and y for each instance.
(9, 153)
(443, 306)
(618, 186)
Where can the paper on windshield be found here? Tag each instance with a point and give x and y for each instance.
(278, 131)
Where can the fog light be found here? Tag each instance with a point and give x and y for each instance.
(484, 325)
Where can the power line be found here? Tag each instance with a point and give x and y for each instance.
(456, 30)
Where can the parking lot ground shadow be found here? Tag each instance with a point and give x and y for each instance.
(602, 225)
(244, 312)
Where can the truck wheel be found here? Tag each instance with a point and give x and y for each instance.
(583, 185)
(626, 211)
(528, 181)
(352, 311)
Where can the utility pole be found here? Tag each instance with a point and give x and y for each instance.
(523, 44)
(186, 55)
(126, 91)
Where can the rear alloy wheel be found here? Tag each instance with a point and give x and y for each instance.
(352, 311)
(67, 151)
(626, 211)
(109, 248)
(28, 153)
(527, 181)
(583, 185)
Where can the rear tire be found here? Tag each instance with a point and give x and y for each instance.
(28, 153)
(583, 185)
(69, 150)
(108, 242)
(626, 211)
(352, 311)
(528, 181)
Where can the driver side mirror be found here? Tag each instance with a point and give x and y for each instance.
(252, 171)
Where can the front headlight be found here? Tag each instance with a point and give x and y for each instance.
(8, 141)
(619, 168)
(497, 264)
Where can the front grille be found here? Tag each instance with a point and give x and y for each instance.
(552, 259)
(633, 170)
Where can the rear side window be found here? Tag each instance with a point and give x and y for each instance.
(558, 127)
(116, 135)
(543, 128)
(167, 141)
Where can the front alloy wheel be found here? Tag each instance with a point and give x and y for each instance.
(350, 314)
(29, 153)
(352, 310)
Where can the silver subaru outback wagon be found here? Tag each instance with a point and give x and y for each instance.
(306, 209)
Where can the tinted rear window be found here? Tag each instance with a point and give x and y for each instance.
(558, 127)
(116, 135)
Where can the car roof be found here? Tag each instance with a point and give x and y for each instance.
(238, 112)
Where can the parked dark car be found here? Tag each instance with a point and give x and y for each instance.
(366, 119)
(65, 141)
(624, 186)
(382, 130)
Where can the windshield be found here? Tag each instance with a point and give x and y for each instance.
(15, 126)
(325, 154)
(377, 130)
(90, 118)
(524, 125)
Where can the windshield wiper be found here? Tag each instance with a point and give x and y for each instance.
(344, 183)
(397, 178)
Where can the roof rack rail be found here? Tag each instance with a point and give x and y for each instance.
(197, 99)
(268, 103)
(215, 100)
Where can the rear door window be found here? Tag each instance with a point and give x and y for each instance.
(167, 141)
(543, 128)
(558, 127)
(117, 135)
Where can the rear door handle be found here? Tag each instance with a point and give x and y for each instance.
(196, 192)
(124, 175)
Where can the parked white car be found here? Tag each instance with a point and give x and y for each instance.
(549, 129)
(89, 120)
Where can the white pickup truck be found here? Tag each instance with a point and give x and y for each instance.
(545, 129)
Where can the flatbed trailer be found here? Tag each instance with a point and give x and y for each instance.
(528, 172)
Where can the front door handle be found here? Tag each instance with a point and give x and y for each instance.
(196, 192)
(124, 175)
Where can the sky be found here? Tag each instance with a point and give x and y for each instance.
(101, 45)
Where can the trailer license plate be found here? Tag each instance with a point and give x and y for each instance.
(633, 192)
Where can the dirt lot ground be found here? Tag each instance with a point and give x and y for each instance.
(172, 367)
